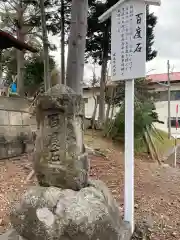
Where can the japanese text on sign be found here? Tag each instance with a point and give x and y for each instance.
(128, 48)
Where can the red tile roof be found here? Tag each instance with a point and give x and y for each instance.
(162, 77)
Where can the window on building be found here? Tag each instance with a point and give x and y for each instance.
(98, 99)
(175, 95)
(85, 100)
(173, 122)
(161, 96)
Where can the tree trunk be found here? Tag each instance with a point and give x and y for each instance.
(45, 47)
(20, 73)
(110, 93)
(94, 115)
(1, 66)
(63, 80)
(112, 112)
(20, 54)
(102, 93)
(76, 46)
(107, 113)
(103, 76)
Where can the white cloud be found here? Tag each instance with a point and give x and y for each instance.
(167, 36)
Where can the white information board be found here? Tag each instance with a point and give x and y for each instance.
(128, 41)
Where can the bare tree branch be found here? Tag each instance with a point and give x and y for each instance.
(10, 3)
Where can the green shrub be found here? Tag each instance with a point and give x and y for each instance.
(144, 117)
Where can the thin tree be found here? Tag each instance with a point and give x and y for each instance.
(105, 49)
(20, 54)
(95, 81)
(45, 47)
(76, 46)
(62, 43)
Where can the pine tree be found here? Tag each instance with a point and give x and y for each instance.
(151, 21)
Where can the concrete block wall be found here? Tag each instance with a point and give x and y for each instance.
(15, 122)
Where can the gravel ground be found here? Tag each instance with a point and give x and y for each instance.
(157, 189)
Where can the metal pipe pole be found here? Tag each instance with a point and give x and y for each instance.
(175, 145)
(129, 154)
(169, 100)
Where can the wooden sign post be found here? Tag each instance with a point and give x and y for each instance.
(128, 62)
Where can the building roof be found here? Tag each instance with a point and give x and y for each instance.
(163, 77)
(152, 78)
(8, 41)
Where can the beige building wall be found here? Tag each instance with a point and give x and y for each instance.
(162, 110)
(161, 106)
(90, 103)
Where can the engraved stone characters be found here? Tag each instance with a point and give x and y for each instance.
(59, 157)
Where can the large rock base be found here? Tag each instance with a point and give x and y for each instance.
(11, 235)
(53, 213)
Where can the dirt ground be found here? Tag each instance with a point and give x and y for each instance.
(157, 189)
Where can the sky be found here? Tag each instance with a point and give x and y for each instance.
(167, 40)
(167, 37)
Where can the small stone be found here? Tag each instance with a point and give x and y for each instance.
(166, 166)
(174, 234)
(54, 148)
(136, 206)
(97, 149)
(45, 216)
(1, 222)
(56, 154)
(56, 158)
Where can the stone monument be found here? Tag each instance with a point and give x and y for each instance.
(67, 205)
(60, 159)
